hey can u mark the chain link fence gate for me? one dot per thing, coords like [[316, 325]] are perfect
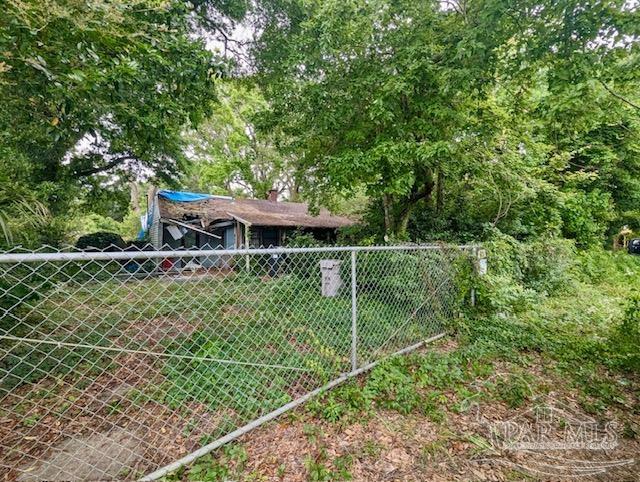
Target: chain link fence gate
[[119, 365]]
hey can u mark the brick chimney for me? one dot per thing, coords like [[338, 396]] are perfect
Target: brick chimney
[[272, 195]]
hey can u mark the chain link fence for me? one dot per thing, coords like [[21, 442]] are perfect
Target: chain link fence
[[119, 365]]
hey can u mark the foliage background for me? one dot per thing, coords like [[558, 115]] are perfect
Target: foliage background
[[426, 120]]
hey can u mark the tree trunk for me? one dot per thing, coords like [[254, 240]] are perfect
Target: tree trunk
[[403, 221], [294, 192], [151, 194], [440, 192], [134, 190], [388, 223], [419, 193]]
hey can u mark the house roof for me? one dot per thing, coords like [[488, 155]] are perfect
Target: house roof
[[254, 211]]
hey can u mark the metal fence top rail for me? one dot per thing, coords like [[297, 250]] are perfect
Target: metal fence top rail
[[132, 255]]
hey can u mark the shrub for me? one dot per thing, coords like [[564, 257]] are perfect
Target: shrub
[[391, 386], [300, 239], [624, 342], [410, 279], [586, 215], [550, 265], [102, 240], [308, 265], [501, 294], [506, 256], [520, 272], [596, 264]]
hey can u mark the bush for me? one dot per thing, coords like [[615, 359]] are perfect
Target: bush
[[520, 272], [501, 294], [597, 265], [410, 279], [586, 216], [506, 257], [101, 241], [300, 239], [306, 265], [625, 339], [550, 265]]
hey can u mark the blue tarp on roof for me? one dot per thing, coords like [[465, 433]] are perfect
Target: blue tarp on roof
[[175, 196], [183, 196]]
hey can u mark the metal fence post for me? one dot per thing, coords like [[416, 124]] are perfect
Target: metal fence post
[[474, 255], [354, 314]]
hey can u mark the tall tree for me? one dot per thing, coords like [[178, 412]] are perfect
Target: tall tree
[[231, 156], [96, 91], [395, 96], [382, 94]]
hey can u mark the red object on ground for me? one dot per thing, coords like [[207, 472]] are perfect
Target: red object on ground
[[167, 264]]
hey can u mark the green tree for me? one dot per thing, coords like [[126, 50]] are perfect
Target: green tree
[[95, 93], [376, 94], [98, 92], [458, 111], [231, 156]]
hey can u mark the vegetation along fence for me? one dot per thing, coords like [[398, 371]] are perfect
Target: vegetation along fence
[[131, 364]]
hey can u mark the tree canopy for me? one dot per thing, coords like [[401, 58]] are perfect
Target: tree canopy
[[232, 156], [469, 111], [450, 117], [95, 93]]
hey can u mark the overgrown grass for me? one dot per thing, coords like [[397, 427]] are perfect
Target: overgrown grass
[[581, 330], [241, 317], [586, 332], [580, 324]]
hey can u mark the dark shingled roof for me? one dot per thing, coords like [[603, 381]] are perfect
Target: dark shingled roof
[[255, 211]]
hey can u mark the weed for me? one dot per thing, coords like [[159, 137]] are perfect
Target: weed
[[346, 403], [312, 432], [515, 390], [114, 407], [124, 473], [630, 430], [391, 386], [237, 454], [371, 448], [518, 475], [432, 409], [230, 463], [31, 420], [343, 466], [537, 311], [316, 467], [188, 428], [481, 446], [624, 343], [319, 470], [208, 470], [433, 450]]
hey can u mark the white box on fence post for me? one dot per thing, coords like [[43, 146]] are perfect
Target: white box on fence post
[[331, 281], [480, 266], [481, 262]]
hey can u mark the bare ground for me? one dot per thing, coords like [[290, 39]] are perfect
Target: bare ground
[[386, 445], [64, 429], [92, 442]]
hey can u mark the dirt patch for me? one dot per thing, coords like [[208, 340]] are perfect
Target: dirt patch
[[151, 335], [62, 421], [465, 445], [409, 448], [101, 456], [115, 439]]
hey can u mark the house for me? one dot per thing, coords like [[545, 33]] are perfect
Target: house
[[192, 220]]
